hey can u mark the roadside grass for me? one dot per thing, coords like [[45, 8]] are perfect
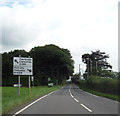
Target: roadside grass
[[110, 96], [11, 99]]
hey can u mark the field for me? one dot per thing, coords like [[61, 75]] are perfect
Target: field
[[11, 99]]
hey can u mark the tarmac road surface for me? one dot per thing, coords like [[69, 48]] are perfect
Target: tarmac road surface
[[70, 100]]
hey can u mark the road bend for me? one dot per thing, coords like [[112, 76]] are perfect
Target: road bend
[[70, 100]]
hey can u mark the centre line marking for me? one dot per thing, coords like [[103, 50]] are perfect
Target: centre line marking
[[73, 96], [76, 100], [86, 108]]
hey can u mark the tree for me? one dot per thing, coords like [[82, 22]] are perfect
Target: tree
[[76, 77], [48, 61], [51, 61], [96, 63], [7, 65]]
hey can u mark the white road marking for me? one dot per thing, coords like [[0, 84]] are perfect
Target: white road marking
[[86, 108], [71, 93], [89, 93], [33, 103], [94, 95], [76, 100], [73, 96]]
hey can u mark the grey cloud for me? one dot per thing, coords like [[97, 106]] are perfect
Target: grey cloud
[[17, 36]]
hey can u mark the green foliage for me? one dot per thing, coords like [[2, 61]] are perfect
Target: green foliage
[[76, 77], [7, 66], [96, 64], [48, 61], [106, 85], [11, 99], [110, 96], [51, 61]]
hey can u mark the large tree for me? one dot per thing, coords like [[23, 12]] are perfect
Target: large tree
[[96, 63], [7, 65], [52, 61], [49, 61]]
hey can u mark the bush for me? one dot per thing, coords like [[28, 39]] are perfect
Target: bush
[[106, 85]]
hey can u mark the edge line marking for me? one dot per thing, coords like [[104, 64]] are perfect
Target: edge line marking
[[33, 103]]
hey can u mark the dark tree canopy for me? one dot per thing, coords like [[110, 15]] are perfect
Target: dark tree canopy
[[52, 61], [48, 61], [96, 63]]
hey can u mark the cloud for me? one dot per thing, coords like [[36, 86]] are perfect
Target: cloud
[[80, 26]]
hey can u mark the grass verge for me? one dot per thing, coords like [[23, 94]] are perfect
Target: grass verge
[[110, 96], [11, 99]]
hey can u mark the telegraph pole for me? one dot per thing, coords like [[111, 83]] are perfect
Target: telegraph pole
[[96, 67], [88, 65], [79, 72], [91, 66]]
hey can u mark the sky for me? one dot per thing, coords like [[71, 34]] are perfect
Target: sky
[[81, 26]]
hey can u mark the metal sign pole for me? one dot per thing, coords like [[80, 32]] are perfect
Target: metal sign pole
[[19, 75], [29, 82], [29, 85], [22, 66], [19, 85]]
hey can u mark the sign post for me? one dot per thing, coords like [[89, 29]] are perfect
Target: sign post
[[29, 82], [29, 85], [19, 85], [19, 76], [22, 66]]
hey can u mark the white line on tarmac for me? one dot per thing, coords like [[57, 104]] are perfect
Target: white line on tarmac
[[73, 96], [76, 100], [71, 93], [86, 108], [92, 94], [33, 103]]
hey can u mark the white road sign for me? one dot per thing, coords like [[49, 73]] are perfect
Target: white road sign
[[22, 66], [22, 61]]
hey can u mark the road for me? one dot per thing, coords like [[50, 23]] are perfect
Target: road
[[71, 100]]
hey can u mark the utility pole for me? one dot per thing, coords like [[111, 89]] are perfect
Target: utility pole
[[79, 72], [91, 66], [88, 65], [96, 67]]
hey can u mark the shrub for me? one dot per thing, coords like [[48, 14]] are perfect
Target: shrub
[[106, 85]]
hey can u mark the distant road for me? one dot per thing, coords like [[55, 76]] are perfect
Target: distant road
[[71, 100]]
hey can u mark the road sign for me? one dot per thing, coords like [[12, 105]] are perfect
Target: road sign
[[20, 70], [22, 61], [22, 66]]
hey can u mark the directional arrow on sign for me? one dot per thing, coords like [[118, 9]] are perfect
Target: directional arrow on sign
[[16, 61], [22, 66], [29, 70]]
